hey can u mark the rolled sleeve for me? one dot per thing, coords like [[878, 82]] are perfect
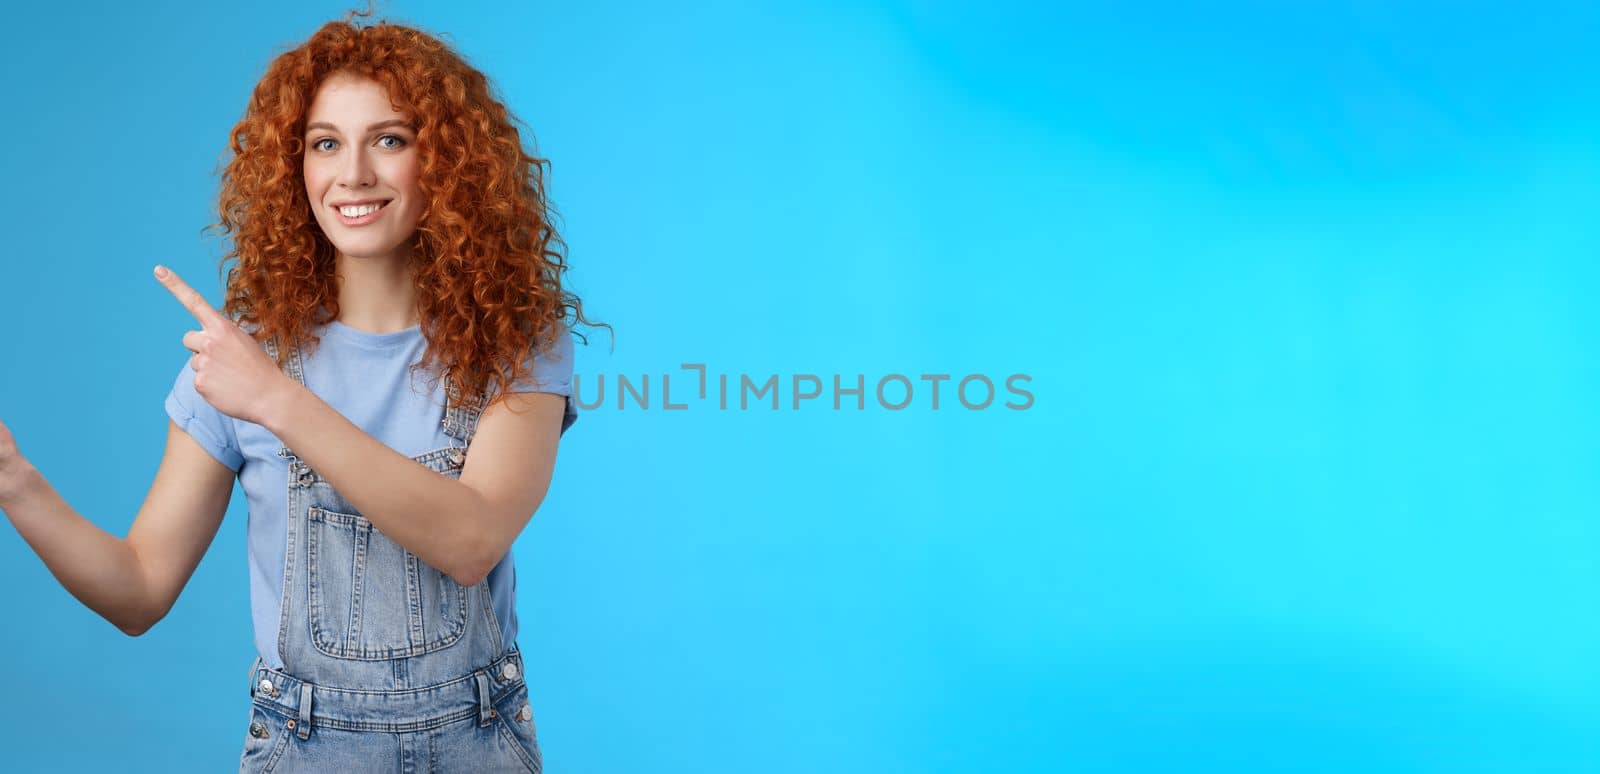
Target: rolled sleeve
[[206, 425], [552, 372]]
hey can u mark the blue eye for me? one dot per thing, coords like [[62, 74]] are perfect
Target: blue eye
[[399, 142]]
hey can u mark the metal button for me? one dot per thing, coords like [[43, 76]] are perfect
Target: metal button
[[509, 671], [266, 685], [457, 456], [525, 714], [258, 730]]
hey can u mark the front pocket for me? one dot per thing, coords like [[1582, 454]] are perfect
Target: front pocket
[[370, 598], [519, 729], [522, 743], [263, 742]]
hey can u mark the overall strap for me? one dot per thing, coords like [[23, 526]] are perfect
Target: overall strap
[[461, 423], [296, 370]]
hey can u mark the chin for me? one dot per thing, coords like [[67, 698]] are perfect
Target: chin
[[367, 251]]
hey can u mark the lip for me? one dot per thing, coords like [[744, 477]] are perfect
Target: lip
[[364, 219]]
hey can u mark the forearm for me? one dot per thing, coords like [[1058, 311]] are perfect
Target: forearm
[[98, 568], [439, 519]]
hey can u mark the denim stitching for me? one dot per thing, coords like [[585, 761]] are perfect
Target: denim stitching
[[453, 627], [307, 490], [516, 745]]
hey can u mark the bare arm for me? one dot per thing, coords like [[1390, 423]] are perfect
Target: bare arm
[[460, 527], [134, 582]]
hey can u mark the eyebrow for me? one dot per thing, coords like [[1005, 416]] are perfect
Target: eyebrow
[[372, 128]]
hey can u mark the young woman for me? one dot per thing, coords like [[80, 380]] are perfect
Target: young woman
[[388, 380]]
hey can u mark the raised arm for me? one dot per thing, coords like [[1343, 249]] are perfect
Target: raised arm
[[130, 582]]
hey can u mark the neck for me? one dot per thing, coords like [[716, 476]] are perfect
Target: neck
[[376, 295]]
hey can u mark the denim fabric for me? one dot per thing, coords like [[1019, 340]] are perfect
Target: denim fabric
[[389, 665], [369, 379]]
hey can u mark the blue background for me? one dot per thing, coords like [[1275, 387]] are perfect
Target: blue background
[[1308, 483]]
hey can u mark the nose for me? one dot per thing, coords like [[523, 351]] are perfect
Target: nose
[[355, 170]]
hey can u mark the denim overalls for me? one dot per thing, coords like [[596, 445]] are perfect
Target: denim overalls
[[389, 664]]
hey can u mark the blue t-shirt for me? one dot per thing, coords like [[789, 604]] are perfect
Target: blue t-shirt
[[366, 377]]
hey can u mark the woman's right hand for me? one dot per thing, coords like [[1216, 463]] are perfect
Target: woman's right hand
[[14, 468]]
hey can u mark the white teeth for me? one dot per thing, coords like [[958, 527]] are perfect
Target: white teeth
[[356, 212]]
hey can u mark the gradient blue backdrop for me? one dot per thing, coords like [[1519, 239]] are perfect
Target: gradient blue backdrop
[[1308, 484]]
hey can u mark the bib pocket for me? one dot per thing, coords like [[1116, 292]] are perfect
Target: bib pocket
[[371, 599]]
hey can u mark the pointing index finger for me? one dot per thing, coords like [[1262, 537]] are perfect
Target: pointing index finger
[[191, 300]]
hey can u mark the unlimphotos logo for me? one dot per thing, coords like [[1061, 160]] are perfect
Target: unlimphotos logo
[[894, 392]]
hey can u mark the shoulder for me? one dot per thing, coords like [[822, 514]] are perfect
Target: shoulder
[[556, 352], [549, 371], [549, 365]]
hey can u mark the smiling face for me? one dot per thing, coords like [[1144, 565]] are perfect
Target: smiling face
[[361, 154]]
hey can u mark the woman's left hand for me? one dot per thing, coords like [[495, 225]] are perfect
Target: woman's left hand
[[231, 370]]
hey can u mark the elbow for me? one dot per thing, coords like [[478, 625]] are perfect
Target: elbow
[[470, 571], [469, 578], [481, 551], [476, 568], [135, 628]]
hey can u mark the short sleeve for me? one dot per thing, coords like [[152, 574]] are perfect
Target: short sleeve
[[209, 427], [552, 372]]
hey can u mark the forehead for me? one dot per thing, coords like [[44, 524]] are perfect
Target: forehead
[[344, 97]]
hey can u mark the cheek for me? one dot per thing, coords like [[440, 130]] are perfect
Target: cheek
[[316, 182], [409, 184], [403, 169], [409, 180]]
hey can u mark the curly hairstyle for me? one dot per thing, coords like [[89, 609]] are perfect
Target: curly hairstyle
[[487, 260]]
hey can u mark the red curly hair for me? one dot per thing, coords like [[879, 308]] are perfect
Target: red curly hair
[[487, 260]]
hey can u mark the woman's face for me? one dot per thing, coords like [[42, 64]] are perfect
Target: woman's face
[[359, 154]]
